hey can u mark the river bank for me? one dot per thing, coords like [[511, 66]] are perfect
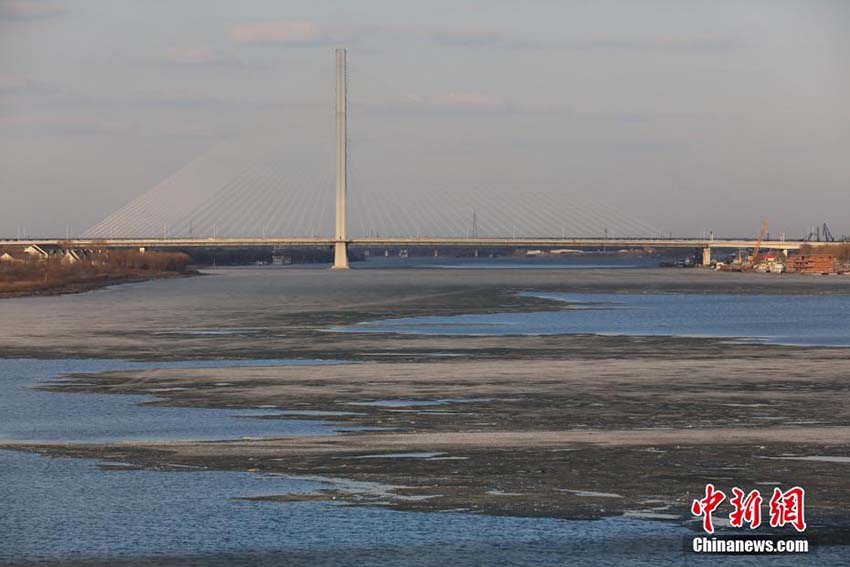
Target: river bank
[[57, 271], [31, 289]]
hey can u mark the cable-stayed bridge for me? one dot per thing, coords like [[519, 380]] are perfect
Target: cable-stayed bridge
[[219, 195], [243, 193]]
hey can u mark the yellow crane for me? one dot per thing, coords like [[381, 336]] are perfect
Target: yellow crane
[[757, 248]]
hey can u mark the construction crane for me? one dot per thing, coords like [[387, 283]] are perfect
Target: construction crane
[[815, 234], [757, 248]]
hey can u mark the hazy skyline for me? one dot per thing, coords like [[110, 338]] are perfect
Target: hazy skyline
[[687, 115]]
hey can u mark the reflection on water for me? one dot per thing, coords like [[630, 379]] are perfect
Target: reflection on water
[[778, 319], [28, 414]]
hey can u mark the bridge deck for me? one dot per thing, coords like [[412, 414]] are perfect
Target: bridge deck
[[413, 242]]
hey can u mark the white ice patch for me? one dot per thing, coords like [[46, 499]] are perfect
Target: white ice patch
[[400, 456], [591, 494], [818, 458]]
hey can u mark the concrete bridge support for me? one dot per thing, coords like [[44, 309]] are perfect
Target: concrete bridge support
[[341, 256], [706, 257]]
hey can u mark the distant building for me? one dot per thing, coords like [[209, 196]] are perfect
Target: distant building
[[45, 251], [51, 252], [7, 258], [812, 263], [76, 255]]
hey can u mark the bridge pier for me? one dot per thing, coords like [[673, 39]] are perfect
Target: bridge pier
[[706, 257], [341, 255]]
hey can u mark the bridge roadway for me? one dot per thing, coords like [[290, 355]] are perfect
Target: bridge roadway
[[341, 246], [721, 243]]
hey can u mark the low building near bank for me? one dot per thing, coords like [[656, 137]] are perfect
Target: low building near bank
[[45, 252], [812, 263], [51, 253], [9, 258], [76, 255]]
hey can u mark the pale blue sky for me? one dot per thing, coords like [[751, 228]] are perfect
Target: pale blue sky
[[687, 114]]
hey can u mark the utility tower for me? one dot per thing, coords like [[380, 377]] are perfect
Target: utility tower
[[341, 236]]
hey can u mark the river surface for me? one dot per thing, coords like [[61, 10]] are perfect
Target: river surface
[[810, 320], [29, 414], [557, 262], [58, 509]]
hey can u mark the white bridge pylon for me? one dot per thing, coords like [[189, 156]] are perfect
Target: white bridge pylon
[[341, 237]]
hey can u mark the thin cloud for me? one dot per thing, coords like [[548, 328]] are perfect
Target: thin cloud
[[13, 87], [480, 37], [195, 56], [187, 101], [11, 82], [474, 101], [189, 55], [658, 43], [495, 38], [199, 101], [29, 9], [67, 123], [284, 32], [461, 102]]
